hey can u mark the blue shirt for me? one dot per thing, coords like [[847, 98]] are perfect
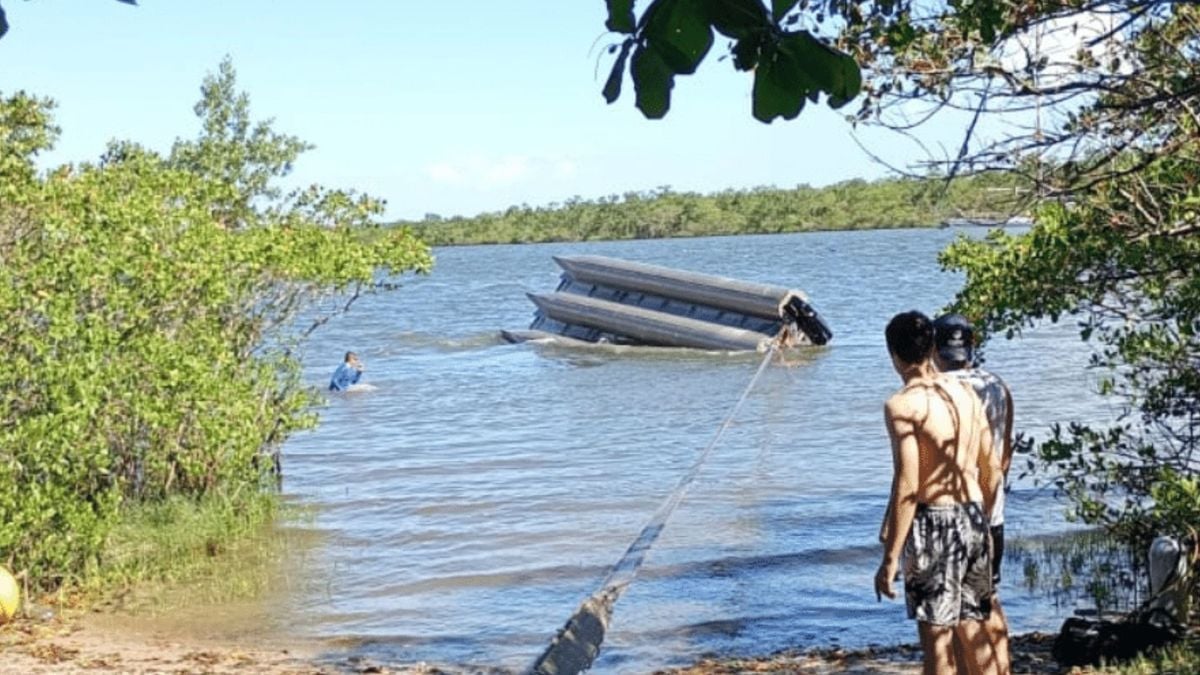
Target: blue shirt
[[343, 377]]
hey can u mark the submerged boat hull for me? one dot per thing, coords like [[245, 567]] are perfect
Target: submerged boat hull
[[604, 299]]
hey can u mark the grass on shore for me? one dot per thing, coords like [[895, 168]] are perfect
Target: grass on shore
[[1180, 658], [213, 549]]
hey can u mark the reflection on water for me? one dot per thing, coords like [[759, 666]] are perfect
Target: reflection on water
[[471, 501]]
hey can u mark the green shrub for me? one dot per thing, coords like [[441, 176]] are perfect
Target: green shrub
[[147, 312]]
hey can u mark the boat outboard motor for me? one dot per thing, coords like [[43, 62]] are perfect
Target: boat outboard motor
[[808, 320]]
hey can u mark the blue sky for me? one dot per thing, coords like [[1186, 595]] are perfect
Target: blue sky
[[437, 107]]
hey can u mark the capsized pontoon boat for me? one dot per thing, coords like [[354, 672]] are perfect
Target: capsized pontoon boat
[[604, 299]]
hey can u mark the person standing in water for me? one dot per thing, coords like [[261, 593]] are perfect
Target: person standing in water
[[349, 372], [944, 485], [954, 337]]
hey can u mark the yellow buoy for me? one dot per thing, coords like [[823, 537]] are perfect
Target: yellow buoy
[[10, 596]]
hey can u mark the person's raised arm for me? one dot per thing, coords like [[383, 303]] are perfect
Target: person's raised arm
[[902, 506]]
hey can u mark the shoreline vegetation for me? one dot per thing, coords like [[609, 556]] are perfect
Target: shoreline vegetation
[[149, 304], [858, 204]]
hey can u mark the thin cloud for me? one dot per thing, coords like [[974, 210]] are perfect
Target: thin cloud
[[483, 173]]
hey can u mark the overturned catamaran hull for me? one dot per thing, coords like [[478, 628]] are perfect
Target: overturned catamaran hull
[[604, 299]]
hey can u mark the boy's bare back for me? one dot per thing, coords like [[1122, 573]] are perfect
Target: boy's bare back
[[942, 421]]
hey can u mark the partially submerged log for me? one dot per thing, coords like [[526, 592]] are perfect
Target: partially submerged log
[[617, 301]]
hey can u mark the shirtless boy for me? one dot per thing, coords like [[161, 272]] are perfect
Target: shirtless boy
[[945, 481]]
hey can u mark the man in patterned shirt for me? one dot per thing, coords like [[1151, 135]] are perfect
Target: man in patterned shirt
[[954, 337]]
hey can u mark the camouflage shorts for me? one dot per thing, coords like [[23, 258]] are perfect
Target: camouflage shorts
[[947, 564]]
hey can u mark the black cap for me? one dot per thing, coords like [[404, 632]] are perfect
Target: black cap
[[954, 338]]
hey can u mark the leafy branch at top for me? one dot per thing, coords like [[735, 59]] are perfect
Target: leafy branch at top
[[792, 63]]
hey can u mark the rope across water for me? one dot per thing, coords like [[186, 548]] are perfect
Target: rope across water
[[578, 642]]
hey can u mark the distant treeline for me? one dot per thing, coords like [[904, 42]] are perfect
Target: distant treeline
[[853, 204]]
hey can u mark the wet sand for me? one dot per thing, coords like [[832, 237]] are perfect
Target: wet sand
[[86, 645], [1031, 654]]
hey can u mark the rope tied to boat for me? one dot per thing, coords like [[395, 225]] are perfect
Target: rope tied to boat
[[577, 643]]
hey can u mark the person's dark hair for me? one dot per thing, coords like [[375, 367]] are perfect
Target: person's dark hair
[[910, 336]]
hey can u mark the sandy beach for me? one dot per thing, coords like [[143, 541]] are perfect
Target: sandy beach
[[86, 644], [80, 645]]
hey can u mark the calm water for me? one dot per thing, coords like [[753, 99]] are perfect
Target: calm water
[[468, 504]]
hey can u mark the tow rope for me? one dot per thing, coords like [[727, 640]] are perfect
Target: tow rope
[[577, 643]]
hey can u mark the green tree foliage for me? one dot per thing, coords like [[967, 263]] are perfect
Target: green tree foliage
[[148, 308], [854, 204], [1117, 242], [1127, 272], [781, 42]]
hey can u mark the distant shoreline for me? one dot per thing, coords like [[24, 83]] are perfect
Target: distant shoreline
[[663, 214]]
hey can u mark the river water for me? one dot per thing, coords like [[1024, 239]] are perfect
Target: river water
[[466, 505]]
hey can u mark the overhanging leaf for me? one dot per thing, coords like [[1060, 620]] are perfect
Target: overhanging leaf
[[612, 88], [746, 51], [831, 71], [652, 80], [851, 84], [780, 8], [620, 16], [680, 32], [738, 19], [991, 19], [779, 86]]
